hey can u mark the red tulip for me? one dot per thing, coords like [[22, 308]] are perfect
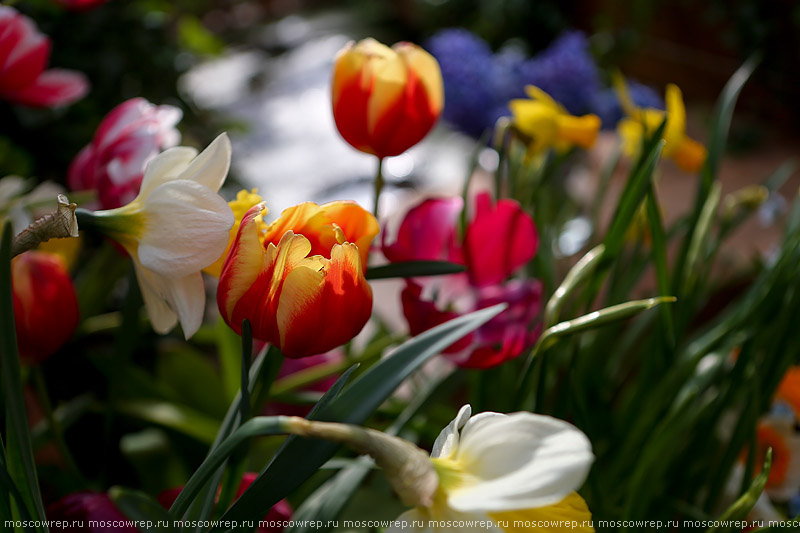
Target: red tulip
[[89, 512], [130, 136], [45, 304], [385, 100], [306, 274], [24, 54], [281, 512], [498, 240]]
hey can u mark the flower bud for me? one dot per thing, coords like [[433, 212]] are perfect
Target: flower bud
[[385, 100], [45, 304]]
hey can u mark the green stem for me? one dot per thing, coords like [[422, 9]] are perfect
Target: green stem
[[378, 186], [55, 427]]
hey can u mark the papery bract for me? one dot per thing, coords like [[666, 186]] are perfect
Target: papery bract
[[89, 512], [24, 54], [301, 284], [130, 136], [498, 469], [544, 123], [45, 304], [498, 240], [385, 100], [176, 226]]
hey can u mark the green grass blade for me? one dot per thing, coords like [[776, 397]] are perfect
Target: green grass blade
[[660, 262], [19, 453], [300, 458], [741, 507], [577, 274], [411, 269]]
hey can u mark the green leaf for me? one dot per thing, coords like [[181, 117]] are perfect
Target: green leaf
[[19, 453], [194, 36], [173, 416], [660, 261], [411, 269], [741, 507], [576, 275], [300, 458], [143, 509]]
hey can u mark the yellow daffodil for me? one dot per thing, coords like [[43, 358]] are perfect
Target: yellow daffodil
[[547, 124], [176, 226], [687, 153], [505, 473]]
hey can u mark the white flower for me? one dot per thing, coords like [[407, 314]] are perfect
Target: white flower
[[175, 227], [505, 473]]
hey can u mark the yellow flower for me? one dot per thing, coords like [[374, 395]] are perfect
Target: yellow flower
[[548, 125], [687, 153], [240, 205], [505, 473]]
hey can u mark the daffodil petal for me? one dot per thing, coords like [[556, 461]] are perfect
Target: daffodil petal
[[519, 461], [447, 440], [570, 514], [210, 168], [154, 289], [165, 167], [202, 216]]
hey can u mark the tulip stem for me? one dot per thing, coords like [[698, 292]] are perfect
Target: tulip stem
[[378, 186]]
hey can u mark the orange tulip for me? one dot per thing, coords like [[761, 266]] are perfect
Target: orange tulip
[[385, 100], [301, 282]]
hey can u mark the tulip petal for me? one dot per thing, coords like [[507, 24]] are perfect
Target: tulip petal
[[244, 264], [202, 216], [498, 241], [427, 232], [335, 304], [519, 461], [426, 69], [26, 54], [164, 168], [53, 88]]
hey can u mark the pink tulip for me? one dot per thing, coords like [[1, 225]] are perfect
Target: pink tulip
[[89, 512], [81, 5], [497, 242], [113, 164], [280, 513], [24, 54]]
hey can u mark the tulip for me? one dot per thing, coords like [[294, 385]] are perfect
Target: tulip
[[45, 304], [176, 226], [24, 54], [81, 5], [240, 205], [385, 100], [304, 274], [546, 124], [280, 513], [687, 153], [497, 470], [498, 240], [130, 136], [89, 512]]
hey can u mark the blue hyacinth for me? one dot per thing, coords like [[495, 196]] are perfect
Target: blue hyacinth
[[478, 84]]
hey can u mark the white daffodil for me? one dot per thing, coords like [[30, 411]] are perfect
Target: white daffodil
[[502, 473], [175, 227]]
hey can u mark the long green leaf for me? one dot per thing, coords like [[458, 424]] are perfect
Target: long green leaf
[[411, 269], [577, 274], [19, 452], [173, 416], [738, 511], [300, 458]]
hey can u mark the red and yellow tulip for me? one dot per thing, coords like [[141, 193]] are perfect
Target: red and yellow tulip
[[385, 100], [301, 282]]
